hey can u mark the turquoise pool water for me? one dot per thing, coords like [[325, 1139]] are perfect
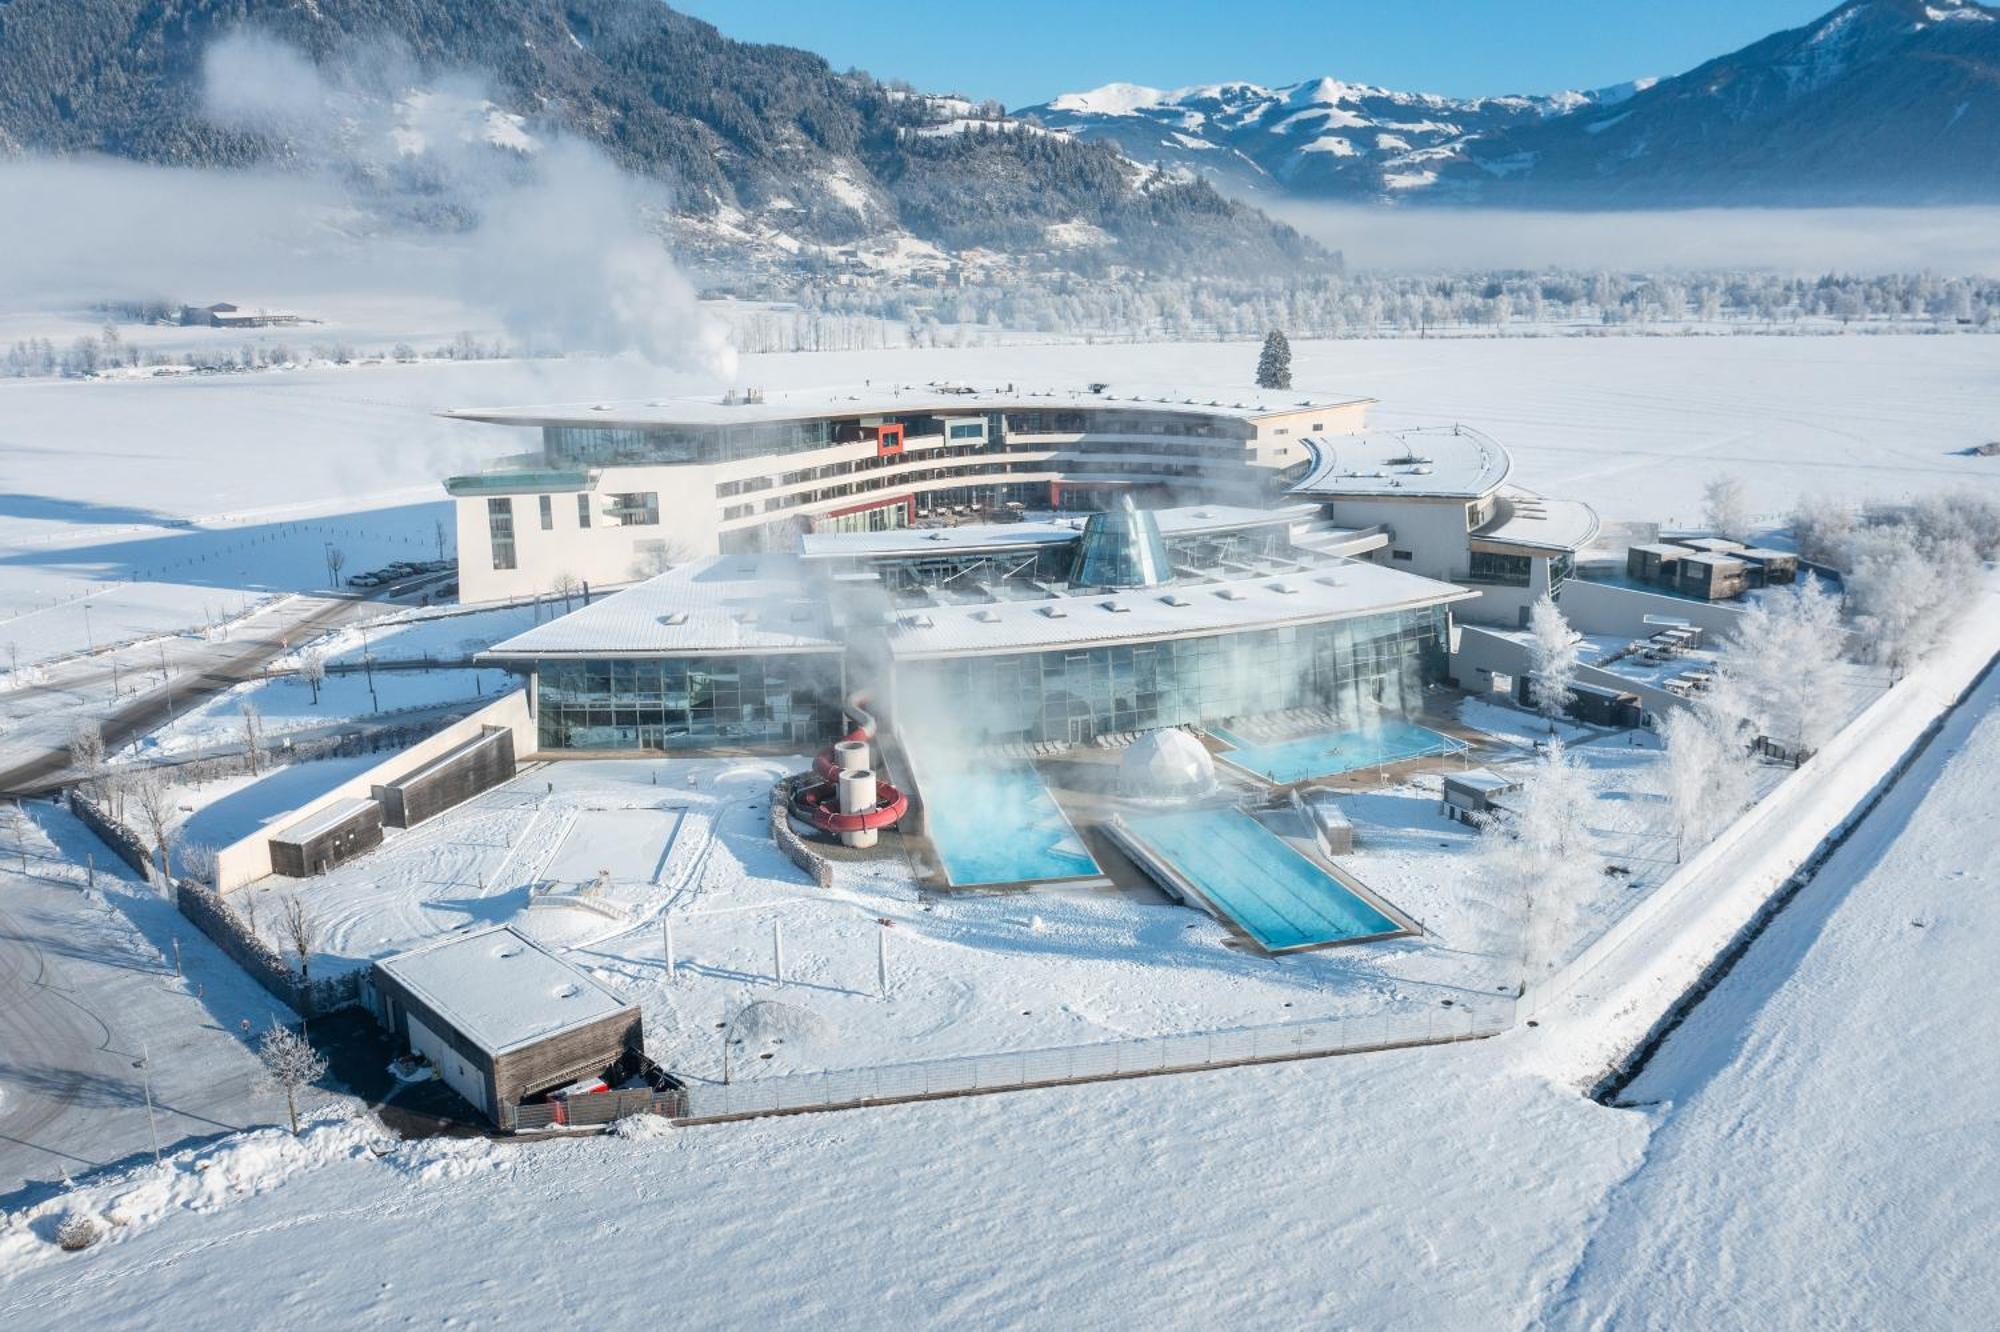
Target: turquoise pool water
[[1249, 874], [1324, 755], [998, 823]]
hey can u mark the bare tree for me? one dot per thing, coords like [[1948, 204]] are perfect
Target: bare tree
[[153, 795], [86, 755], [290, 1065], [566, 586], [312, 669], [336, 560], [299, 930], [1551, 659], [253, 736], [1726, 506], [198, 862], [438, 526]]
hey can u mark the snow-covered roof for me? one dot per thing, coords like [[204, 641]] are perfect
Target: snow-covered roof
[[324, 821], [1182, 520], [730, 604], [1523, 518], [1440, 461], [499, 989], [1483, 780], [1336, 592], [1234, 401]]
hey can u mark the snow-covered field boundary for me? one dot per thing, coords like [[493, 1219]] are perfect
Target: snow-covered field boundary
[[1103, 1061], [1605, 1003]]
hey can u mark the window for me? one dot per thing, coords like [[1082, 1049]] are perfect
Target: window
[[500, 530], [548, 513], [1399, 555], [1318, 426], [1505, 570], [968, 430], [1282, 430], [738, 511], [583, 511], [638, 509]]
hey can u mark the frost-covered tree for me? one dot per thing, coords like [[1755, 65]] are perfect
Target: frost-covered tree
[[290, 1065], [1552, 659], [1705, 776], [312, 669], [1725, 506], [1537, 865], [1776, 674], [1274, 364], [1901, 595], [1821, 526]]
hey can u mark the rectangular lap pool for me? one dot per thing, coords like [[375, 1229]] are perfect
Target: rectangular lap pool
[[997, 823], [1329, 753], [1250, 876]]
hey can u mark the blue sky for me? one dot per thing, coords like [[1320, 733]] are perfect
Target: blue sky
[[1026, 51]]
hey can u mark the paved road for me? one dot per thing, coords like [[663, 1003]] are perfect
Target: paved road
[[35, 758]]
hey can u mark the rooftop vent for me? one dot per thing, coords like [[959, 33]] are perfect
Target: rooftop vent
[[566, 990], [674, 617], [986, 615], [1175, 599], [919, 621], [1285, 589], [508, 949], [1115, 607], [1054, 612], [1231, 594]]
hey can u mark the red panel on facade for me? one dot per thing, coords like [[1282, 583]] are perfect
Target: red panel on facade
[[888, 440]]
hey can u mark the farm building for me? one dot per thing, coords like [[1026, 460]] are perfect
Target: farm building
[[337, 833], [500, 1018]]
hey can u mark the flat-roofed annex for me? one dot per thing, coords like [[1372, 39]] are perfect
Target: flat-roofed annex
[[1442, 462]]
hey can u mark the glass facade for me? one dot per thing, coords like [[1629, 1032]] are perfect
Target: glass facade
[[688, 702], [1121, 547], [1357, 668], [500, 530]]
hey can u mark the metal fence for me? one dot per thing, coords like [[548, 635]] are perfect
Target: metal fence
[[973, 1075], [601, 1108]]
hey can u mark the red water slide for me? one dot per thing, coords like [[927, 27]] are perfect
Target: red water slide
[[819, 804]]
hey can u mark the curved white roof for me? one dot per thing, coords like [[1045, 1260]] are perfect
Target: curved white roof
[[1237, 402], [1523, 518], [1454, 462]]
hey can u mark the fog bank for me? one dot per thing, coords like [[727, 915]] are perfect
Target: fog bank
[[1950, 241]]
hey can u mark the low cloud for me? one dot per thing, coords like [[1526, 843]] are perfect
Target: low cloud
[[1951, 241], [390, 179]]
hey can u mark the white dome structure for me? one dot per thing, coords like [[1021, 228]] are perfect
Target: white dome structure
[[1166, 763]]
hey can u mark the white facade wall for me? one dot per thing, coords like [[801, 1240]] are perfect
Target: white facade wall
[[692, 521]]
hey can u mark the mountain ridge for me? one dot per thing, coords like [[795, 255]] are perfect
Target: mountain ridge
[[1875, 102]]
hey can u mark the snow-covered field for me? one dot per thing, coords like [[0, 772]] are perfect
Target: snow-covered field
[[103, 478]]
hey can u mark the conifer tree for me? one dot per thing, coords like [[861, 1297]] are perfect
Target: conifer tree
[[1274, 366]]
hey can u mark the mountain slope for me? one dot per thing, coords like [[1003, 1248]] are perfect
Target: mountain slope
[[1892, 102], [1879, 102], [1318, 139], [759, 140]]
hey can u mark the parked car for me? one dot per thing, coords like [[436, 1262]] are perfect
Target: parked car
[[364, 580]]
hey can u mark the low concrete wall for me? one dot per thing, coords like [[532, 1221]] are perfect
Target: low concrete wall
[[248, 860], [1606, 608]]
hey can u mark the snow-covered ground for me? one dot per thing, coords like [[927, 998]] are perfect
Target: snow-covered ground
[[1463, 1186], [104, 477]]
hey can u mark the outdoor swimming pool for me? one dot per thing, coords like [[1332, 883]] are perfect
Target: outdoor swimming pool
[[1251, 876], [997, 823], [1327, 754]]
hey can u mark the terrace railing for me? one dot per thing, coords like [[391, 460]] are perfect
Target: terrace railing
[[973, 1075]]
